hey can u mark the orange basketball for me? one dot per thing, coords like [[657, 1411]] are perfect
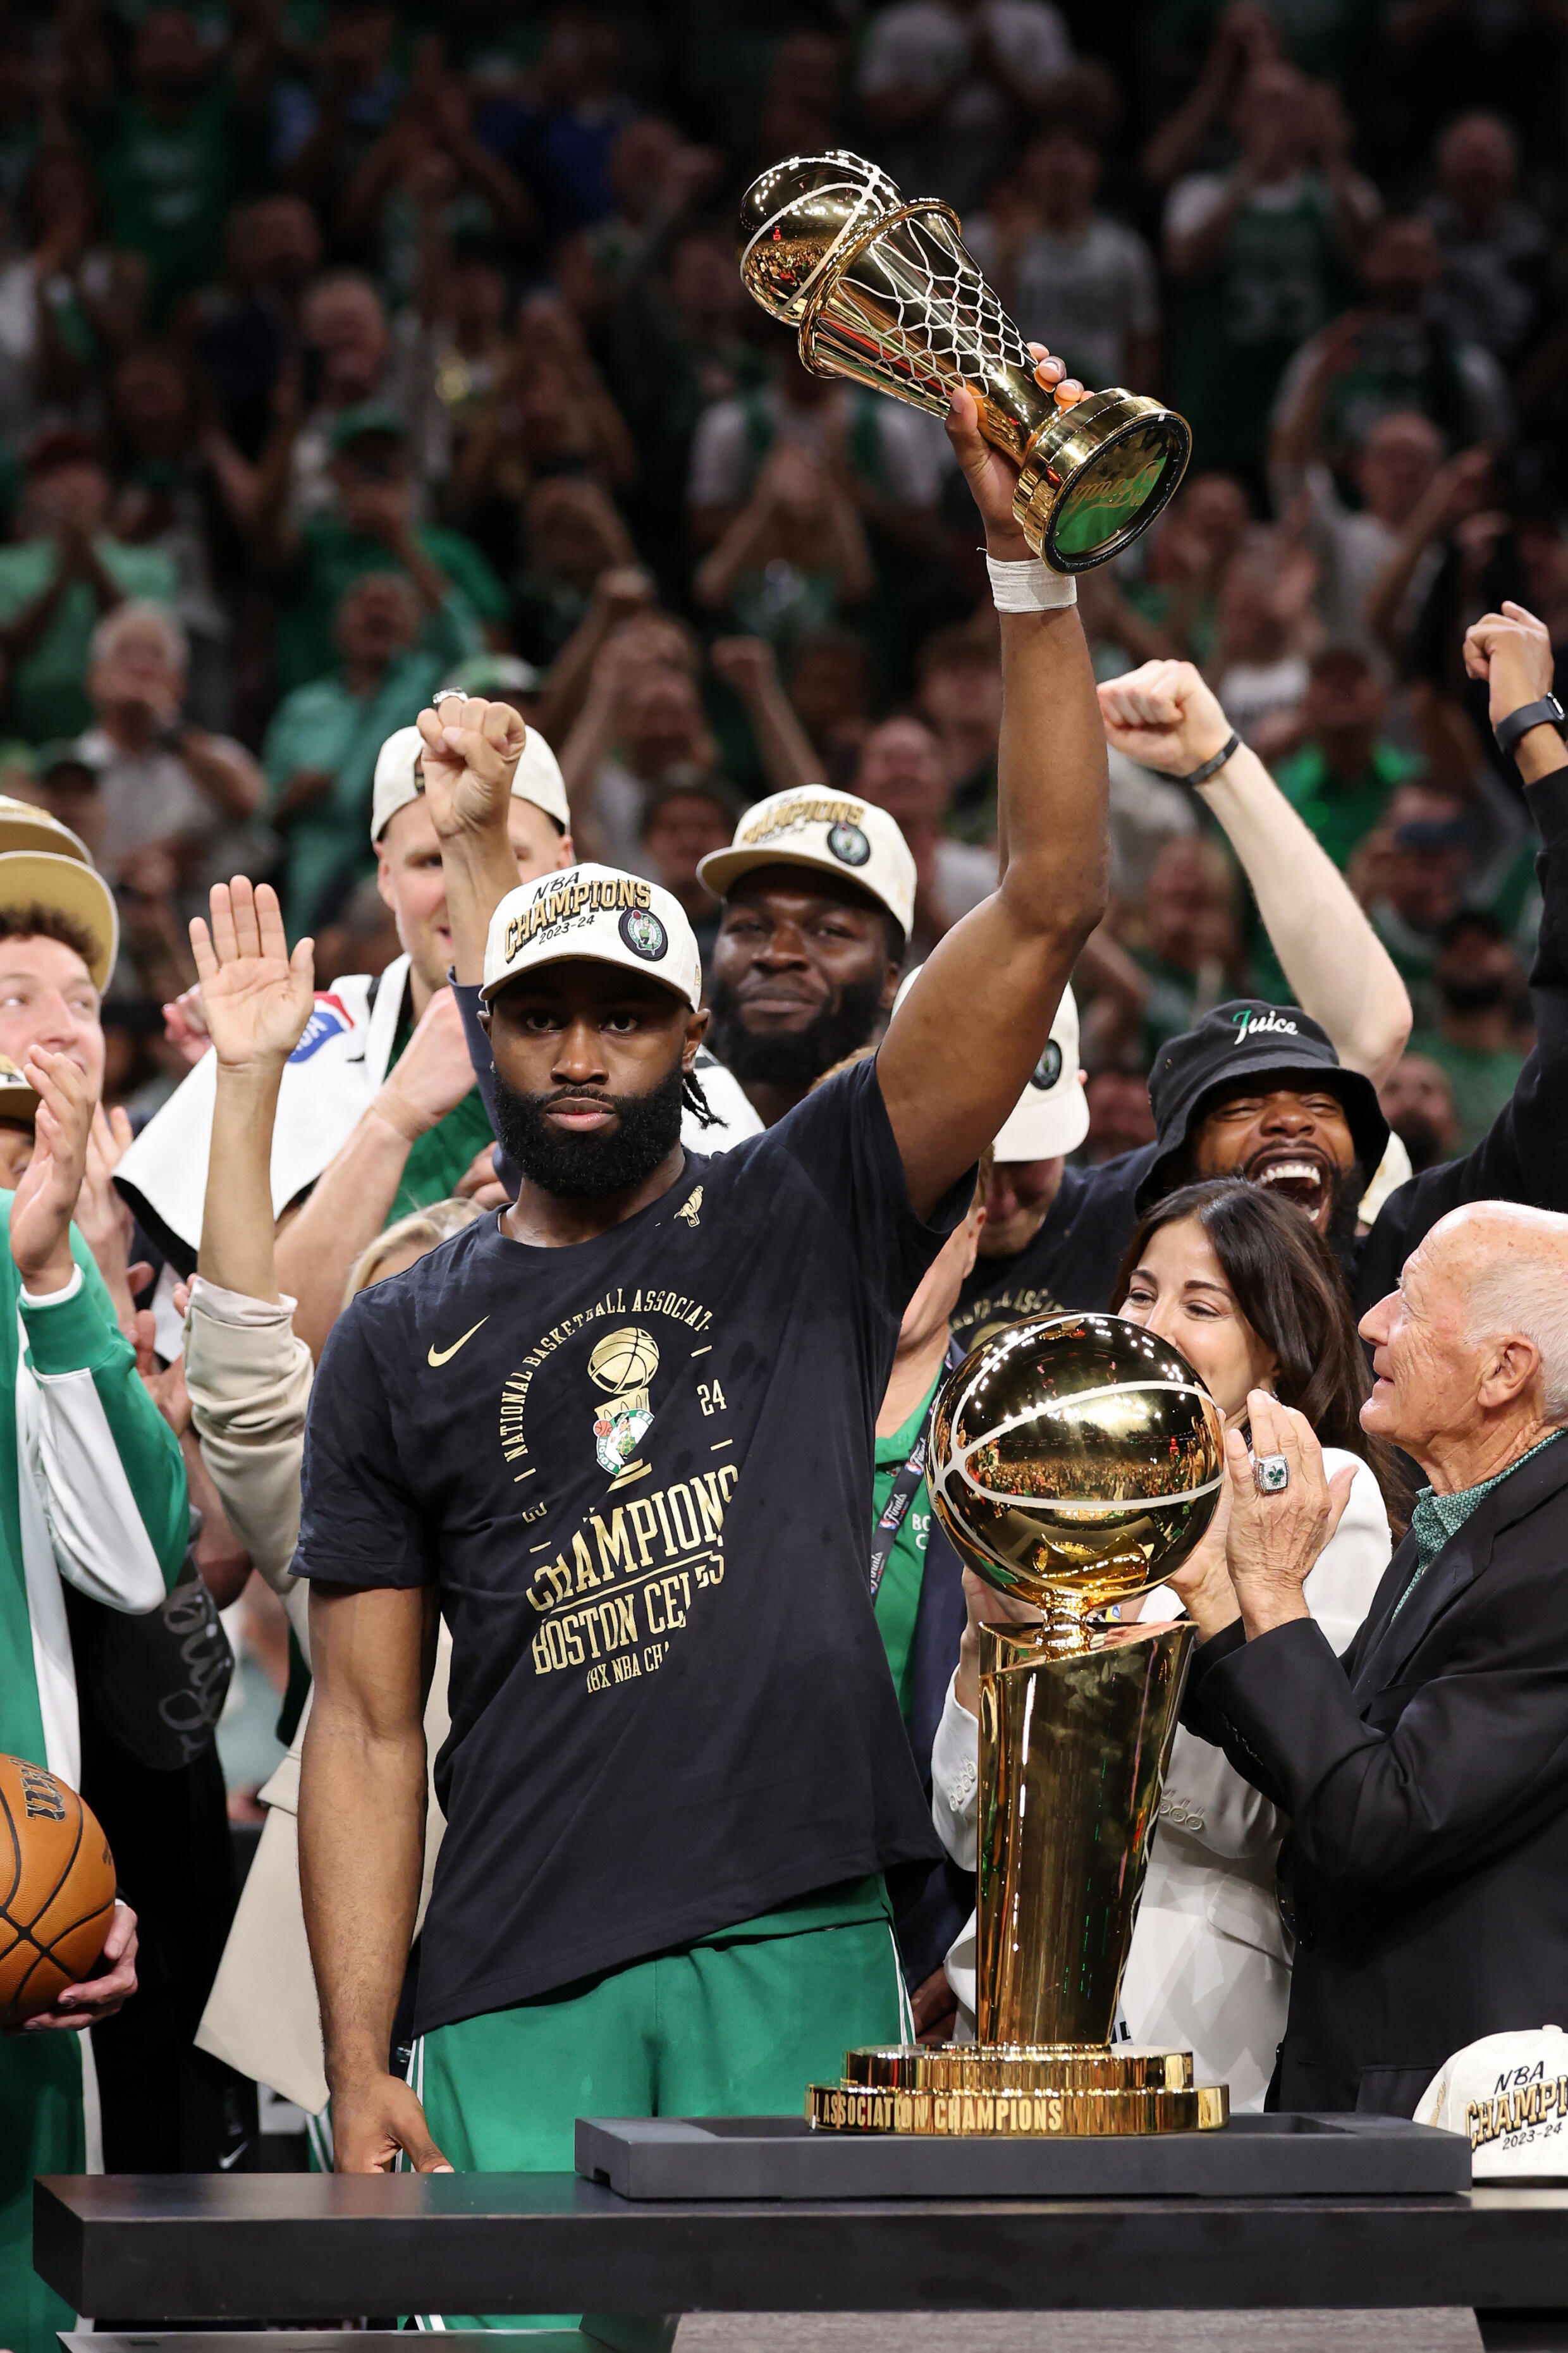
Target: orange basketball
[[57, 1889]]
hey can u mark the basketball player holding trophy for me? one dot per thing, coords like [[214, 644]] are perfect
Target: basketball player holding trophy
[[621, 1437]]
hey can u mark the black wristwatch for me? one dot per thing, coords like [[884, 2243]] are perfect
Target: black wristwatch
[[1547, 713]]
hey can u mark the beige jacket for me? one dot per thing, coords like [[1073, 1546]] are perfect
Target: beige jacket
[[249, 1381]]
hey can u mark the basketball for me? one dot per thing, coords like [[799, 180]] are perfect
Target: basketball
[[627, 1359], [57, 1889], [1075, 1450]]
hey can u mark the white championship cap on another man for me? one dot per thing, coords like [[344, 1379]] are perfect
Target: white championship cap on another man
[[599, 914], [1050, 1117], [44, 864], [837, 833], [538, 779], [1508, 2093]]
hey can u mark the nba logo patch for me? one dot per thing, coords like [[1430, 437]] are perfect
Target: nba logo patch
[[329, 1018]]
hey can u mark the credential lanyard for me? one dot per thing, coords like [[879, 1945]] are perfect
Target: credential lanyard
[[885, 1534]]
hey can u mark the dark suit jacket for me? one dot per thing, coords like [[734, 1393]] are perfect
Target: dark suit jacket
[[1426, 1776]]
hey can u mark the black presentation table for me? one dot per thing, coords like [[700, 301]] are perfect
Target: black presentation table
[[215, 2247]]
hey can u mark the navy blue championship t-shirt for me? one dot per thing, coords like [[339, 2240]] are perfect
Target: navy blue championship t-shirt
[[1071, 1262], [639, 1471]]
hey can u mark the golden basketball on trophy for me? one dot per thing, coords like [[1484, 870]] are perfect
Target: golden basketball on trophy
[[884, 293], [1075, 1462]]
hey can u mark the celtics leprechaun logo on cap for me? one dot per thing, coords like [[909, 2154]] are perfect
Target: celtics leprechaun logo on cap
[[644, 934], [849, 844]]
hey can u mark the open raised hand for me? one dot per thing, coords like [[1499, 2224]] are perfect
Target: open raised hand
[[256, 995], [471, 751]]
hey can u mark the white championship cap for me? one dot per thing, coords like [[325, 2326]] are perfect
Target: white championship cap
[[23, 826], [1051, 1116], [1508, 2093], [599, 913], [538, 779], [835, 832], [44, 864]]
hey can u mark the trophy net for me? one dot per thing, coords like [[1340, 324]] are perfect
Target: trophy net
[[910, 315], [884, 293]]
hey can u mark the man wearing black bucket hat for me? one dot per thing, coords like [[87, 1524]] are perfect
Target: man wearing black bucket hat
[[1258, 1091]]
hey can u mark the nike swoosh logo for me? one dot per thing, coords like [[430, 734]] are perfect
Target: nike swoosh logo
[[224, 2163], [442, 1355]]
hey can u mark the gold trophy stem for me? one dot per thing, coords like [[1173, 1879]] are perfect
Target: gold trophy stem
[[1075, 1735]]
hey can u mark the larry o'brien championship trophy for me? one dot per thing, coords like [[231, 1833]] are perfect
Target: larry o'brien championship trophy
[[1075, 1460], [884, 293]]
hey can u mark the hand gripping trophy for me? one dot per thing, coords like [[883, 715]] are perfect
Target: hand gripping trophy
[[884, 293], [1075, 1460]]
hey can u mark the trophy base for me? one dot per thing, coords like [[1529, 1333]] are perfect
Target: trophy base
[[1097, 474], [968, 2089]]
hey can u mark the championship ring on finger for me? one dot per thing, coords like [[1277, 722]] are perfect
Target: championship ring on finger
[[1271, 1474]]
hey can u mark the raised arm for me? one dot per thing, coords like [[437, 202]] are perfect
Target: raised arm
[[471, 751], [361, 1843], [257, 1000], [247, 1376], [1524, 1155], [1165, 717], [353, 1196], [964, 1042]]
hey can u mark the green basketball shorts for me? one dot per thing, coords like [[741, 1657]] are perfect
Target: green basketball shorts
[[42, 2130], [737, 2025]]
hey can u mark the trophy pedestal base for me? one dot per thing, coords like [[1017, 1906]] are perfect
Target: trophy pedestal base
[[766, 2158], [958, 2090]]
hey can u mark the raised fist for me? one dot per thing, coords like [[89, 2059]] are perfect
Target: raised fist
[[1164, 716], [1512, 651], [471, 751]]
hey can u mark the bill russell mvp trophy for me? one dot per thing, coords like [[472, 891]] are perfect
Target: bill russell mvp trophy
[[1075, 1460], [884, 293]]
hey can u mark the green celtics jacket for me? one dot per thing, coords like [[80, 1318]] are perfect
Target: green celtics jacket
[[93, 1488]]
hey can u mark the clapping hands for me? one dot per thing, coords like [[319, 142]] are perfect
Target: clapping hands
[[46, 1196]]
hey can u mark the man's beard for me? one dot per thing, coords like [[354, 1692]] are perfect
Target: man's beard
[[1345, 1186], [646, 1131], [794, 1057]]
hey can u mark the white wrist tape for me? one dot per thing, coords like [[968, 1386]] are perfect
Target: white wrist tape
[[1030, 586]]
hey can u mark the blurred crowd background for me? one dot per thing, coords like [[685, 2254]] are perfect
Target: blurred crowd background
[[347, 351]]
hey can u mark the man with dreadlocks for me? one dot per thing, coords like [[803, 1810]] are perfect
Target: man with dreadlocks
[[622, 1436]]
